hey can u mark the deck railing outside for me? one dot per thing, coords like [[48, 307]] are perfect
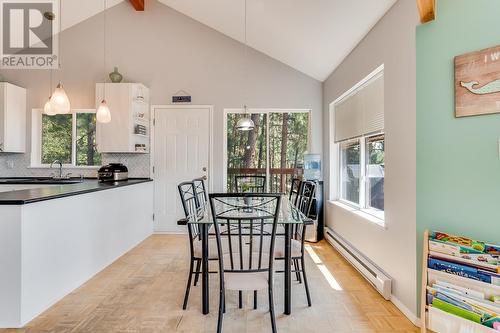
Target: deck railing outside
[[279, 181]]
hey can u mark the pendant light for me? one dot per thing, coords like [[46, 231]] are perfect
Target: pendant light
[[245, 123], [48, 109], [59, 100], [103, 114]]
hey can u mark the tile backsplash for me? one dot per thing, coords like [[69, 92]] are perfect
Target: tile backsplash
[[18, 165]]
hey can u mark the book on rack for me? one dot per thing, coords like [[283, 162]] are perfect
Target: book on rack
[[464, 271], [463, 303], [482, 261], [464, 244]]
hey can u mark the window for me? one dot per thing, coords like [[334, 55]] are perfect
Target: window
[[350, 169], [358, 132], [362, 179], [275, 148], [69, 138], [375, 172]]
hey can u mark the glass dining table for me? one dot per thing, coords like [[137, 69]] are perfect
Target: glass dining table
[[289, 216]]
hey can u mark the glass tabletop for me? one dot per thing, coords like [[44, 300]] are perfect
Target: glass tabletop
[[239, 208]]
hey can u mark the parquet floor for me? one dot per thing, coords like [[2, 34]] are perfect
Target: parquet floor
[[143, 291]]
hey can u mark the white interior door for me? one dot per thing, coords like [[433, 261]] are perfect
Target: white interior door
[[181, 153]]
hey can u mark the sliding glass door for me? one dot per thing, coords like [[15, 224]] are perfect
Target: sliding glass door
[[275, 148]]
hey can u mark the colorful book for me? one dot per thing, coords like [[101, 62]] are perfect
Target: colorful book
[[465, 243], [446, 307], [464, 271], [482, 261]]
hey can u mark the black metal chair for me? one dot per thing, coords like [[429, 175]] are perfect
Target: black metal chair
[[250, 184], [243, 265], [200, 191], [190, 198], [294, 190], [303, 202]]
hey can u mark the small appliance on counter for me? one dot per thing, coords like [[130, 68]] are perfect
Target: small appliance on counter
[[112, 172]]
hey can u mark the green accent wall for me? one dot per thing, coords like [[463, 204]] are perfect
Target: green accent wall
[[458, 164]]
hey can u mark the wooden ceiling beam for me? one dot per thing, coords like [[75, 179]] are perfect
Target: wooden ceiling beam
[[138, 5], [427, 9]]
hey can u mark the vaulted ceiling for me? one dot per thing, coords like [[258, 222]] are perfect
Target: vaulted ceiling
[[312, 36]]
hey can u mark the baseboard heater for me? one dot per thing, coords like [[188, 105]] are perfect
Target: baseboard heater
[[373, 274]]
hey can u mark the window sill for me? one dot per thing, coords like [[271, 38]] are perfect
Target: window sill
[[363, 213]]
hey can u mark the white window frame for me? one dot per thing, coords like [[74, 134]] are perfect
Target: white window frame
[[363, 205], [36, 140], [267, 112]]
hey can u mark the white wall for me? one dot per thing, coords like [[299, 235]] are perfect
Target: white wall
[[168, 52], [392, 43]]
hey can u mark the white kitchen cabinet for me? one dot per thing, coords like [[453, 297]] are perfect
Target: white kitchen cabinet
[[129, 129], [12, 118]]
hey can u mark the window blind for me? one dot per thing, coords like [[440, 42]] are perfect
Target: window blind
[[362, 111]]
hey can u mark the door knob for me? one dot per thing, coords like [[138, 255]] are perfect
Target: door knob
[[205, 177], [204, 169]]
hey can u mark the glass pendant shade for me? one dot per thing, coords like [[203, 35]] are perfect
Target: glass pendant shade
[[103, 113], [245, 124], [60, 101], [48, 109]]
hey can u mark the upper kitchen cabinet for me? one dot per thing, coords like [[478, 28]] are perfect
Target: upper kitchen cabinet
[[12, 118], [128, 131]]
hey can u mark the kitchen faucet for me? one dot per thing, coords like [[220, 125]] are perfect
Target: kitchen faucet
[[60, 168]]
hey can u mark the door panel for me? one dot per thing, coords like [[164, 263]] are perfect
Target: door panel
[[182, 139]]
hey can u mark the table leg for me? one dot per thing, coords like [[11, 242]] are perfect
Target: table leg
[[288, 269], [204, 269]]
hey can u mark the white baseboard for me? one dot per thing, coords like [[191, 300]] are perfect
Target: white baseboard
[[407, 312]]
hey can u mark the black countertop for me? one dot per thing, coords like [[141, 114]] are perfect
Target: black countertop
[[22, 197]]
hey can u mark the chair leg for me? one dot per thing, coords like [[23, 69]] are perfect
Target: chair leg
[[297, 270], [255, 299], [222, 310], [271, 309], [188, 287], [305, 282], [198, 265], [240, 299]]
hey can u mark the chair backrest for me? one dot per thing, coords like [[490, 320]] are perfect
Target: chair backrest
[[304, 202], [305, 197], [191, 208], [250, 184], [242, 231], [200, 191], [294, 190]]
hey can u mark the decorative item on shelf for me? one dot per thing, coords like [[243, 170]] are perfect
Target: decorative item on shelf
[[115, 76], [103, 114], [140, 129], [246, 123], [181, 97], [477, 83], [141, 148], [59, 100]]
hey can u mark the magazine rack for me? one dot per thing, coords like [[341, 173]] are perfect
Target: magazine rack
[[436, 320]]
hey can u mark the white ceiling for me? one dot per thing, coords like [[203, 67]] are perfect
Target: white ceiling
[[312, 36]]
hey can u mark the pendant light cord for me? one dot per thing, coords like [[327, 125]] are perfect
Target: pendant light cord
[[104, 51], [245, 76]]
